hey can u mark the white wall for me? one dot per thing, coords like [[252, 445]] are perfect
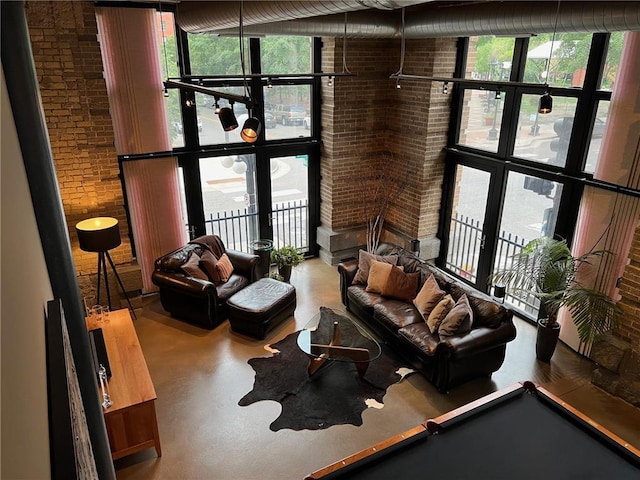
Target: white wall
[[24, 292]]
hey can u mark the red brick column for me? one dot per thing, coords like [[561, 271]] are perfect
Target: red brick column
[[367, 113]]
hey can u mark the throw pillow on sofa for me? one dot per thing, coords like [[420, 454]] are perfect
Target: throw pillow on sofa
[[192, 267], [458, 320], [224, 267], [208, 262], [364, 264], [391, 281], [439, 313], [428, 297]]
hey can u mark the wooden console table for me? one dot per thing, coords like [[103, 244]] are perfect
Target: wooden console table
[[131, 420]]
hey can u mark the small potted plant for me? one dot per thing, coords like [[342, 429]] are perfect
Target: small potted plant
[[285, 259], [546, 269]]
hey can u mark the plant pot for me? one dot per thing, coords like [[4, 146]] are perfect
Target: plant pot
[[546, 340], [285, 272]]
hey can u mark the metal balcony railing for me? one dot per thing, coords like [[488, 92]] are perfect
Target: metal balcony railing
[[466, 239], [238, 229]]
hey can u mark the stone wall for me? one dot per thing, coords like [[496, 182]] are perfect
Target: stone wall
[[66, 51]]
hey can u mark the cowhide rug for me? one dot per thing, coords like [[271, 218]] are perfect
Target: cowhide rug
[[334, 395]]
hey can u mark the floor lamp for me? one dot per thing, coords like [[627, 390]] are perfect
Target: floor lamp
[[100, 235]]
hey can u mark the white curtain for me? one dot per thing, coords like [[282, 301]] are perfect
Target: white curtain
[[612, 216], [133, 72]]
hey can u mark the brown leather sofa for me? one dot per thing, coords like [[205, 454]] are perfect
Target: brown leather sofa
[[198, 301], [446, 362]]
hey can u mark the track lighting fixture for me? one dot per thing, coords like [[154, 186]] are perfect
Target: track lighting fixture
[[498, 95], [252, 126], [165, 92], [216, 106], [546, 102], [330, 82], [251, 130], [269, 83], [228, 119], [189, 102], [398, 84], [445, 88]]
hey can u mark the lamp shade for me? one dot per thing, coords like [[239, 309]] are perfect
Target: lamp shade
[[228, 119], [546, 103], [98, 234], [251, 130]]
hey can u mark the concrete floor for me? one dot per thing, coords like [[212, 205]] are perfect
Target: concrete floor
[[199, 376]]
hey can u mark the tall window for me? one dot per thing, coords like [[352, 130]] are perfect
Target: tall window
[[528, 167], [230, 188]]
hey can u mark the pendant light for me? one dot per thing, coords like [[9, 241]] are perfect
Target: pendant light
[[545, 105], [251, 130], [252, 126], [228, 119]]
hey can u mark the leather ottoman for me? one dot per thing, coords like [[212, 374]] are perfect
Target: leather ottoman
[[261, 306]]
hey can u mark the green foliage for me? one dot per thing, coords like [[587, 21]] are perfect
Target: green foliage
[[276, 276], [546, 269], [491, 53], [286, 54], [287, 255]]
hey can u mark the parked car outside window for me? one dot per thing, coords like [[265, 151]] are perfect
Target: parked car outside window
[[269, 120], [290, 114]]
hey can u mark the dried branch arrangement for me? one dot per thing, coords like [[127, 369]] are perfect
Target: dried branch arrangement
[[378, 193]]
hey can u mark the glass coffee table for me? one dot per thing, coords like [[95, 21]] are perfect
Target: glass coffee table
[[332, 335]]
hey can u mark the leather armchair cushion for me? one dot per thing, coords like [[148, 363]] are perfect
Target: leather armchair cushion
[[227, 289], [363, 298], [478, 340], [419, 336], [396, 314]]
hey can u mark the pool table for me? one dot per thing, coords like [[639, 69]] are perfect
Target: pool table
[[520, 432]]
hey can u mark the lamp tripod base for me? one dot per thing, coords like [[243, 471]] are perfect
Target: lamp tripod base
[[102, 271]]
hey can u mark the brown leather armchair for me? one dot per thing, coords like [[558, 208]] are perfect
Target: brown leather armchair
[[195, 300]]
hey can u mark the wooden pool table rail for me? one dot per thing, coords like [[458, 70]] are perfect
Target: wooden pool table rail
[[440, 423]]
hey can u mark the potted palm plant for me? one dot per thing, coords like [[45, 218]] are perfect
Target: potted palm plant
[[285, 259], [546, 269]]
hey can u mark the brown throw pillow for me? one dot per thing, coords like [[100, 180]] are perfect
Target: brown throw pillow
[[192, 267], [458, 320], [439, 312], [364, 264], [428, 297], [391, 281], [224, 267], [378, 275], [208, 263], [401, 285]]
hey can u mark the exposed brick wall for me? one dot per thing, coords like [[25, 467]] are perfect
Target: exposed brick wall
[[630, 290], [74, 96], [411, 122]]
